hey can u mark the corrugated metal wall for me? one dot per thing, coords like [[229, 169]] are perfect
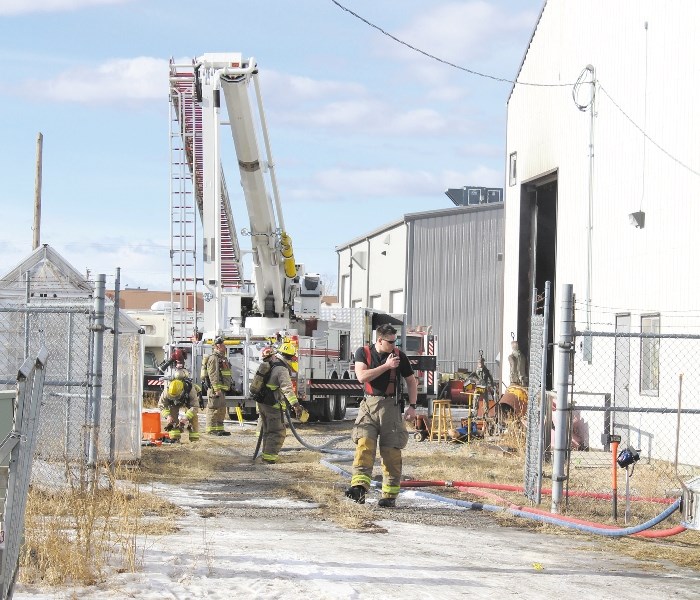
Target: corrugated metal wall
[[454, 278]]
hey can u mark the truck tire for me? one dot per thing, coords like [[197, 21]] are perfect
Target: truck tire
[[340, 407], [327, 409]]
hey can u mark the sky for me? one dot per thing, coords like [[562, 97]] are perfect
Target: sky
[[363, 129]]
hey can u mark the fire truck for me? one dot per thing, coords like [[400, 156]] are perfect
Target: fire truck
[[281, 302], [421, 346]]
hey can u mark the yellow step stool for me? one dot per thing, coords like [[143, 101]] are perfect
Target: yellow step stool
[[442, 420]]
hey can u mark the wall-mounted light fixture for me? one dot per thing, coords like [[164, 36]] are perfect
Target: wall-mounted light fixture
[[637, 219]]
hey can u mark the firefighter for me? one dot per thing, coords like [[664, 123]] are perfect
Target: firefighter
[[379, 417], [279, 391], [219, 376], [180, 393]]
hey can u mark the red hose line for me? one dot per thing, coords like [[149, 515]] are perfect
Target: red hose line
[[518, 488], [658, 533]]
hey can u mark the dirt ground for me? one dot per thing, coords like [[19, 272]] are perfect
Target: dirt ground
[[223, 485]]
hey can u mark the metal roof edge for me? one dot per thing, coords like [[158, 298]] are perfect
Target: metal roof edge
[[456, 210], [377, 231], [522, 62]]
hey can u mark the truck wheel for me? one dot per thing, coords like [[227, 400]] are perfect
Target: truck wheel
[[340, 407], [327, 409]]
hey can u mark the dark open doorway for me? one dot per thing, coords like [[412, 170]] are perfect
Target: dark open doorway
[[538, 243]]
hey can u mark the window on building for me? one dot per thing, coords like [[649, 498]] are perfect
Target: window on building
[[513, 169], [649, 356], [396, 302], [375, 302]]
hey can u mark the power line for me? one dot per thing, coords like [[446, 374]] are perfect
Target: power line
[[442, 60], [646, 136], [515, 82]]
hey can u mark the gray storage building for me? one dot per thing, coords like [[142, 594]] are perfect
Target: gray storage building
[[442, 268]]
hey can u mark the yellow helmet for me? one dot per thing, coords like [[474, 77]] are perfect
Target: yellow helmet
[[288, 349], [175, 388]]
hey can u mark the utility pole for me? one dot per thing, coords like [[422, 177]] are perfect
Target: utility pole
[[37, 193]]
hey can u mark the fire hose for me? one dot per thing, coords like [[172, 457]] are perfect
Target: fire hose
[[585, 526], [341, 455]]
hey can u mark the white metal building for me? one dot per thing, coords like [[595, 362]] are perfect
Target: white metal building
[[608, 204], [440, 268], [653, 75]]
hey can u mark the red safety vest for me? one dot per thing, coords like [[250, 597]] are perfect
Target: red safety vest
[[391, 388]]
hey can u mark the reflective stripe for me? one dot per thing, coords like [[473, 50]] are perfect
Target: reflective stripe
[[392, 490], [189, 414], [270, 457], [363, 480]]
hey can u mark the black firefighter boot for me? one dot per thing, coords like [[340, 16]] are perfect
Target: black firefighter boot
[[356, 493], [387, 502]]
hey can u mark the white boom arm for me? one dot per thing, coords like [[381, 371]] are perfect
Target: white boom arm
[[272, 253]]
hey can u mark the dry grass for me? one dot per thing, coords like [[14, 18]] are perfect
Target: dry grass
[[150, 399], [482, 461], [75, 535]]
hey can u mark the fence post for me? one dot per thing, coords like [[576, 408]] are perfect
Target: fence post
[[564, 348], [96, 374], [543, 391], [115, 362]]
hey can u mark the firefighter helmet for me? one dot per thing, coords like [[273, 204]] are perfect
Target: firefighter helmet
[[219, 340], [175, 388], [287, 349], [267, 352]]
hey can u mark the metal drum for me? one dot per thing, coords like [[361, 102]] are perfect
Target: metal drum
[[518, 391]]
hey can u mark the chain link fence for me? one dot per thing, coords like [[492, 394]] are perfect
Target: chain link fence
[[640, 388], [16, 451], [631, 394], [67, 328]]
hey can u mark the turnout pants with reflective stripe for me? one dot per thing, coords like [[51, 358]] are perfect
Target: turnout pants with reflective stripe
[[379, 418], [216, 412], [271, 427]]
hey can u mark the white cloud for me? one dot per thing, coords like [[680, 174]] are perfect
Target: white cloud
[[364, 184], [460, 31], [302, 101], [467, 34], [114, 82], [17, 7], [295, 89]]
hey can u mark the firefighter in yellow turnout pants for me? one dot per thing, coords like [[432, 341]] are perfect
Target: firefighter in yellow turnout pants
[[271, 407], [180, 392], [379, 417], [219, 375]]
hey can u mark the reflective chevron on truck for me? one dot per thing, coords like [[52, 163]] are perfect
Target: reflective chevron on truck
[[334, 387]]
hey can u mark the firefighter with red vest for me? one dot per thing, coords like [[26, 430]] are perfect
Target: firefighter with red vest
[[379, 419]]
